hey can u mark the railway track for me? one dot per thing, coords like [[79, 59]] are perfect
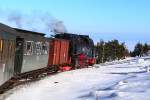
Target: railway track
[[27, 77]]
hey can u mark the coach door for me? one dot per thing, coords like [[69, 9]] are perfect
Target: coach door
[[19, 55]]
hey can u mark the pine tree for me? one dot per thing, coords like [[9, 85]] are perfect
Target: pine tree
[[138, 50], [99, 51], [146, 48], [111, 50]]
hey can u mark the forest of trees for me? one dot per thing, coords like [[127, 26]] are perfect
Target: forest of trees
[[140, 50], [113, 50]]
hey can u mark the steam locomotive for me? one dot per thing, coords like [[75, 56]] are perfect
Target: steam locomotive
[[28, 54], [81, 49]]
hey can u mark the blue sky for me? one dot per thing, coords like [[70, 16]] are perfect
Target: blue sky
[[125, 20]]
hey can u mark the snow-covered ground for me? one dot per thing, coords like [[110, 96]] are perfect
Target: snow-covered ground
[[119, 80]]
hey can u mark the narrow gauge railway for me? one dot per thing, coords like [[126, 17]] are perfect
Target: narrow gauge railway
[[27, 55]]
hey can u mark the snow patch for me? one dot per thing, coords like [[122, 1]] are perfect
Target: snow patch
[[119, 80]]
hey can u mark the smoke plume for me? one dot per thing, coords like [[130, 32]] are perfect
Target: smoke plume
[[16, 18], [35, 21]]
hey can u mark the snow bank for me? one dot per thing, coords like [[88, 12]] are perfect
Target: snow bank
[[140, 61], [120, 81]]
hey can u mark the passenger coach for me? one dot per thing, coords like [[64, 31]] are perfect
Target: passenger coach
[[21, 51], [31, 51]]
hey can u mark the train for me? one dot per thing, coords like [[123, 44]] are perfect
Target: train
[[28, 54]]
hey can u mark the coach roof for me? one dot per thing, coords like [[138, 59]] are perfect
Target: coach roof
[[6, 28], [27, 31]]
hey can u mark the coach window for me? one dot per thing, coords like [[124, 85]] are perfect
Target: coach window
[[29, 47], [11, 48], [1, 45], [4, 50], [44, 48], [1, 49], [38, 48]]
